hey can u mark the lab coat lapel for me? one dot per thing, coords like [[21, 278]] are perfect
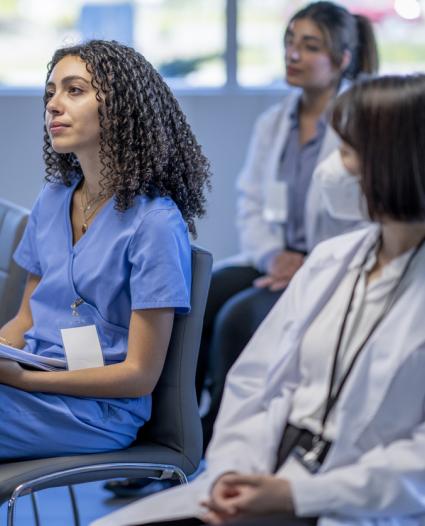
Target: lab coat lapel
[[321, 280], [281, 137], [314, 207], [330, 268], [377, 368]]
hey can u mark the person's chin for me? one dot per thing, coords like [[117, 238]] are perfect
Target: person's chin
[[294, 81], [61, 148]]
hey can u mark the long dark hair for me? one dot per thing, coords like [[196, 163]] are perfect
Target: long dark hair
[[383, 119], [344, 31], [146, 144]]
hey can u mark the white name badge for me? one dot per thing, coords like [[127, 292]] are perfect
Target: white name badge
[[82, 347], [276, 202]]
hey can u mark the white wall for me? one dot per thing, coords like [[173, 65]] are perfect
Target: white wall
[[221, 121]]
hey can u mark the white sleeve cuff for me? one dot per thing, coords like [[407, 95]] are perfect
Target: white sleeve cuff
[[313, 495]]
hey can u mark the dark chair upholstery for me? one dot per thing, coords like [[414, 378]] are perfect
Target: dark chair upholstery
[[12, 278], [169, 446]]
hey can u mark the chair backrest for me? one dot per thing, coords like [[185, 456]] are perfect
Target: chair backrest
[[175, 421], [12, 278]]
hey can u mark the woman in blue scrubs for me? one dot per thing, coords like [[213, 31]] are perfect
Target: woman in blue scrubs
[[107, 251]]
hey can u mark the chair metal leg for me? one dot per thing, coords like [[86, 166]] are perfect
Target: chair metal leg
[[75, 512], [11, 509], [34, 503], [167, 471]]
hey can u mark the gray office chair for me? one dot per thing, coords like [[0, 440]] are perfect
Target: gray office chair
[[169, 446], [12, 278]]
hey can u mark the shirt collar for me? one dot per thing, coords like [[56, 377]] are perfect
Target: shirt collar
[[370, 241], [294, 114], [362, 241], [294, 117]]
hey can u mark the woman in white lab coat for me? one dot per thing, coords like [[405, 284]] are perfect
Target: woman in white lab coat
[[280, 215], [326, 424]]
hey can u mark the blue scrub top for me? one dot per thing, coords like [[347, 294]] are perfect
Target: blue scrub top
[[137, 259]]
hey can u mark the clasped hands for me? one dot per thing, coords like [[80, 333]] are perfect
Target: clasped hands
[[280, 270], [234, 496]]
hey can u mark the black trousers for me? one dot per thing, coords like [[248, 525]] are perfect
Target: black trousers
[[275, 519], [233, 313]]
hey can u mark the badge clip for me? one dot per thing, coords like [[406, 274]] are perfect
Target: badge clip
[[312, 458], [74, 306]]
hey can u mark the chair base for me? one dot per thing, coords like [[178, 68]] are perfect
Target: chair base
[[165, 471]]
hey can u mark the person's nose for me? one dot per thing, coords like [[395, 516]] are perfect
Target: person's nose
[[293, 53], [54, 105]]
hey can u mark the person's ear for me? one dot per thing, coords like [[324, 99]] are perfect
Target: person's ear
[[346, 60]]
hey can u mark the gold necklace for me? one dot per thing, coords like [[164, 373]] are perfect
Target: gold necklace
[[90, 207]]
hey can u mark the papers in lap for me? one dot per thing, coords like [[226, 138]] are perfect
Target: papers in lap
[[34, 361]]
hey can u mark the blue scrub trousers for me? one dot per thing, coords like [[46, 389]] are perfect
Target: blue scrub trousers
[[35, 425]]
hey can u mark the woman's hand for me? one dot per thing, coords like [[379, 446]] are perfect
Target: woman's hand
[[235, 495], [280, 270], [218, 509], [11, 373]]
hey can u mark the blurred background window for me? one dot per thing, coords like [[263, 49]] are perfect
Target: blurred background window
[[186, 39], [399, 25], [260, 35]]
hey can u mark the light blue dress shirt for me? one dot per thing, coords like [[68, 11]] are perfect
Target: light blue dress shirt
[[298, 162]]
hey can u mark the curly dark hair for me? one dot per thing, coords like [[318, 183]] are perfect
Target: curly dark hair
[[146, 145]]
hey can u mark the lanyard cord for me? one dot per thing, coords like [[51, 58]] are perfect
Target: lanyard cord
[[332, 399]]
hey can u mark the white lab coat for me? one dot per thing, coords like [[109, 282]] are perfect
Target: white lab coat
[[374, 474], [259, 233]]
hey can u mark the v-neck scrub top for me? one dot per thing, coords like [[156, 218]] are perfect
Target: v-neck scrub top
[[137, 259]]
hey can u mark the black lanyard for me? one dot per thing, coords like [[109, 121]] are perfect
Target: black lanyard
[[332, 399]]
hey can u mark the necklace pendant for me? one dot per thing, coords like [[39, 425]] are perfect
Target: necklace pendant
[[84, 228]]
